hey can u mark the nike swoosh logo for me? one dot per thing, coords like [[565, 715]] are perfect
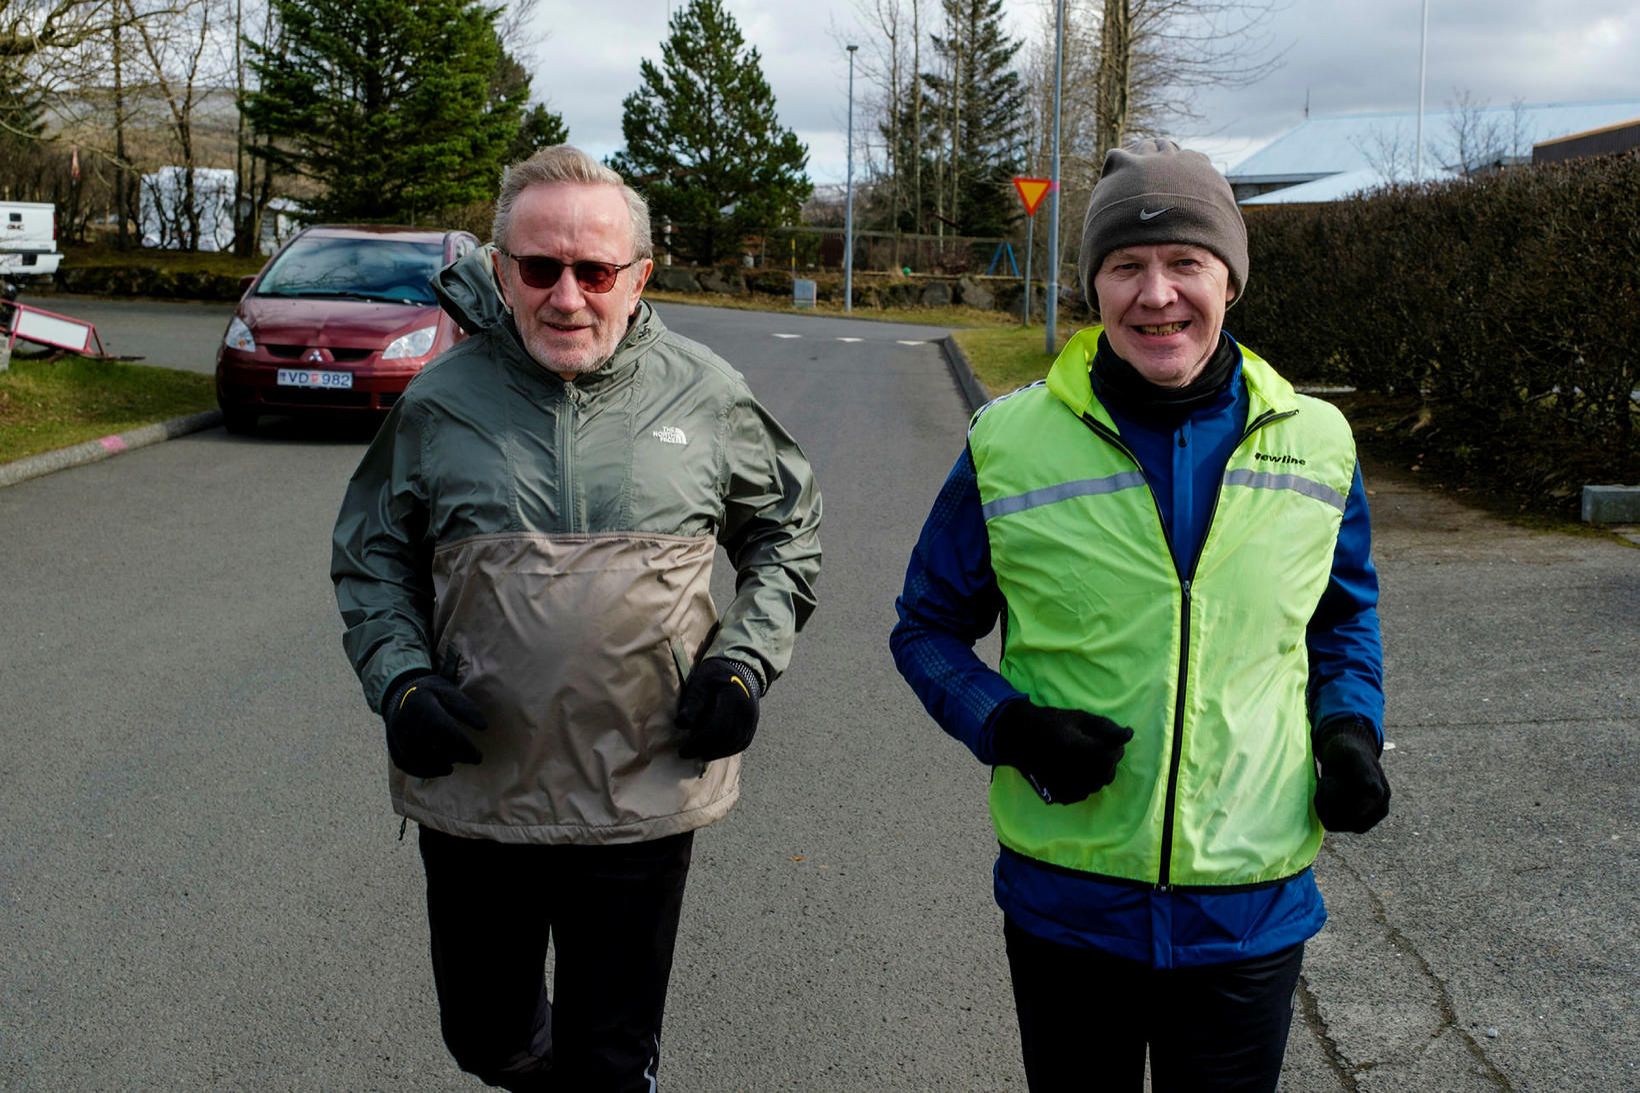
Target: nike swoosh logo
[[1145, 214]]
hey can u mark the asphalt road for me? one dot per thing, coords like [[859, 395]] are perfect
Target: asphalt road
[[202, 887]]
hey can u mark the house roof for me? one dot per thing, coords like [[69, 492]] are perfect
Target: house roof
[[1321, 147], [1331, 187], [1617, 127]]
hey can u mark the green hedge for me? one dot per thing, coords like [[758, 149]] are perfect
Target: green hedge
[[154, 281], [1507, 306]]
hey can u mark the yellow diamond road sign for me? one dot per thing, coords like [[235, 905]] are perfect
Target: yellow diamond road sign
[[1031, 192]]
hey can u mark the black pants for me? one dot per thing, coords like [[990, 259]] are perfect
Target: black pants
[[612, 915], [1085, 1019]]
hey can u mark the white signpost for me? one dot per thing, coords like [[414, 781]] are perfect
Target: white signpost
[[31, 324]]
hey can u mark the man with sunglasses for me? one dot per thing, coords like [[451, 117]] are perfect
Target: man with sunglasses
[[522, 562]]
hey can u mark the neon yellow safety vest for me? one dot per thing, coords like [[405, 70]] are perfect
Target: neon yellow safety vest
[[1208, 668]]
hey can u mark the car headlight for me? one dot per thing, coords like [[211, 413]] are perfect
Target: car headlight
[[239, 336], [414, 344]]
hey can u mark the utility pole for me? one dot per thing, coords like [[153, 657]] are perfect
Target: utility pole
[[848, 215], [1051, 314]]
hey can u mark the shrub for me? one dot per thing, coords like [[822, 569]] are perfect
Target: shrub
[[1508, 306]]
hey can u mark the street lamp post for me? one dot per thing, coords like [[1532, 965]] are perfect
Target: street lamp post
[[1051, 316], [848, 215], [1423, 65]]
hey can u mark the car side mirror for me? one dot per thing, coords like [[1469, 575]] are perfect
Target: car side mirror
[[245, 283]]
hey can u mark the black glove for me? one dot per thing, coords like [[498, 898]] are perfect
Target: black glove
[[718, 710], [425, 716], [1066, 755], [1352, 793]]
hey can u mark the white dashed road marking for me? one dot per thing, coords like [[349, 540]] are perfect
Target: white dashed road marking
[[901, 341]]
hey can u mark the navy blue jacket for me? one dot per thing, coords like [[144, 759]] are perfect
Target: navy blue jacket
[[951, 600]]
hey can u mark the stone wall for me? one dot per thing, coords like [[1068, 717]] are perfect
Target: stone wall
[[871, 290], [137, 280]]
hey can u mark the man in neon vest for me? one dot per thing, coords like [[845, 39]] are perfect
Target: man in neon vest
[[1179, 548]]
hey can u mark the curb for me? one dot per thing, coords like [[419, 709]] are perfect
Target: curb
[[973, 392], [102, 448]]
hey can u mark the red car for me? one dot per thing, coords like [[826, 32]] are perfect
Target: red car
[[340, 319]]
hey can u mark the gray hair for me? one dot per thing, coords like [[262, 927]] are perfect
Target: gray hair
[[564, 163]]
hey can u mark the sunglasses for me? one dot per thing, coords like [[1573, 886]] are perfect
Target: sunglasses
[[539, 271]]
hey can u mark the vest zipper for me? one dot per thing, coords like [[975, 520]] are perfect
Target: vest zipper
[[1162, 881], [1176, 752]]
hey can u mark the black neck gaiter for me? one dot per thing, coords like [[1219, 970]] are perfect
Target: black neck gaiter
[[1118, 383]]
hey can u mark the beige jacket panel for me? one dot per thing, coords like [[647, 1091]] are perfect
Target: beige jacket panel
[[575, 647]]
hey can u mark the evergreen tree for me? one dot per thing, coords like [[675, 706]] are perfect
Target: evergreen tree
[[538, 127], [703, 143], [392, 106], [973, 123]]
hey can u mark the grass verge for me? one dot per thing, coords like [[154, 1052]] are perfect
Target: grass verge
[[1006, 358], [48, 403], [922, 316]]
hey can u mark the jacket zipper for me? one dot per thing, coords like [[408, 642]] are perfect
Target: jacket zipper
[[1176, 751], [566, 456]]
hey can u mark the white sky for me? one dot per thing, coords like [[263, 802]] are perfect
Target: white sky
[[1349, 56]]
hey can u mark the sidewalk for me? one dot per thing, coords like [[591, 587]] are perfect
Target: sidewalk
[[1484, 937]]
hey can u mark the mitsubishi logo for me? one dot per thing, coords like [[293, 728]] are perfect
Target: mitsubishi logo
[[316, 355]]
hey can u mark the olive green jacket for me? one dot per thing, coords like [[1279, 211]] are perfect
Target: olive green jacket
[[549, 546]]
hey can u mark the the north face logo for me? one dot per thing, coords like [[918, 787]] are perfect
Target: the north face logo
[[670, 434]]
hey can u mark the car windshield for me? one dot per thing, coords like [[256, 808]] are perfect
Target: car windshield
[[370, 268]]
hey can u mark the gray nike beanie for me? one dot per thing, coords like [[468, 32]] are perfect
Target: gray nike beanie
[[1156, 192]]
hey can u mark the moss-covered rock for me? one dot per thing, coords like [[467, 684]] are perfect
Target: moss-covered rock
[[675, 279], [972, 293], [723, 280], [769, 282], [936, 294]]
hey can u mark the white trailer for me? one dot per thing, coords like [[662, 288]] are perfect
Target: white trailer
[[162, 209]]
